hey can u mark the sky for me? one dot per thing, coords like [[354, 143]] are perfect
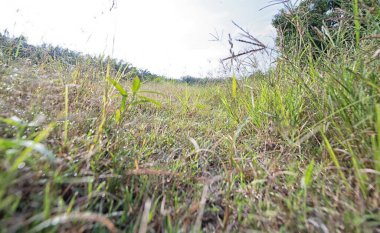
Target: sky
[[166, 37]]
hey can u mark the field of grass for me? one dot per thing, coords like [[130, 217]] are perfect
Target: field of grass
[[84, 149]]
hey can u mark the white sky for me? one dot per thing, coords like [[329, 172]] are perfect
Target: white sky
[[167, 37]]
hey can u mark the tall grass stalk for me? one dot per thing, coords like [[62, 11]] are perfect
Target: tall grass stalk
[[66, 124], [356, 21], [377, 147]]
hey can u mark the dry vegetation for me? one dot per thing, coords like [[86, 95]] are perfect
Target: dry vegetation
[[294, 150]]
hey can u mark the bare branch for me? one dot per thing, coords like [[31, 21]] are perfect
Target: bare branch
[[249, 39], [249, 42], [275, 2], [216, 36], [113, 5], [243, 53]]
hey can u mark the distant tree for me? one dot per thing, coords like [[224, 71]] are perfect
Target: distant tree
[[10, 46], [307, 22], [189, 79], [304, 22]]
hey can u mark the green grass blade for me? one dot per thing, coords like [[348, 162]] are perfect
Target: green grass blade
[[26, 152], [334, 158], [234, 86], [19, 47], [356, 21], [136, 85], [307, 178], [377, 146], [117, 115], [118, 87], [147, 99], [123, 104], [66, 126], [47, 201]]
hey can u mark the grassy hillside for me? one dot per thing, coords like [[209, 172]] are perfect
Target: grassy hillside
[[89, 148]]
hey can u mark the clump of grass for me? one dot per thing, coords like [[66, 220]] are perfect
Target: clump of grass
[[94, 148]]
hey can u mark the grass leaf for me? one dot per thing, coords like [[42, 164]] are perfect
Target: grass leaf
[[356, 20], [234, 86], [147, 99], [117, 85], [117, 115], [333, 157], [307, 178], [136, 85]]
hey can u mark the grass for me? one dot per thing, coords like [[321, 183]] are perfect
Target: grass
[[294, 150]]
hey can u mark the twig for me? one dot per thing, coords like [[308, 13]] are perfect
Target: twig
[[371, 37], [145, 217], [274, 3], [243, 53], [84, 216], [144, 171], [202, 204], [249, 42]]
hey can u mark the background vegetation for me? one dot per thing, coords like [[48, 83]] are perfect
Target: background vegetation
[[86, 145]]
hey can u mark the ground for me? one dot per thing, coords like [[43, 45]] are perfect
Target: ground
[[200, 158]]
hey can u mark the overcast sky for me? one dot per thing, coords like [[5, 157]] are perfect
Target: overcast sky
[[168, 37]]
